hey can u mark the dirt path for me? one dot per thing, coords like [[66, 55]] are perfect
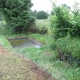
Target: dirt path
[[16, 67]]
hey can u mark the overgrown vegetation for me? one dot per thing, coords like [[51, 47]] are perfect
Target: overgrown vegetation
[[65, 27], [63, 36], [46, 58], [5, 43]]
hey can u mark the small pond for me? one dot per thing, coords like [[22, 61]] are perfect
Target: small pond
[[22, 42]]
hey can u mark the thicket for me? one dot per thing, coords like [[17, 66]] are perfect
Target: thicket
[[65, 25], [17, 14]]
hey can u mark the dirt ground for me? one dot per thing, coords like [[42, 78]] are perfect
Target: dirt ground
[[16, 67]]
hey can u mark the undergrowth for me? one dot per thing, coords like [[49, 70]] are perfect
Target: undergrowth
[[47, 59], [58, 69], [68, 50]]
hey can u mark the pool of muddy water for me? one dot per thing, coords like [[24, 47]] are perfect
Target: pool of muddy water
[[22, 42]]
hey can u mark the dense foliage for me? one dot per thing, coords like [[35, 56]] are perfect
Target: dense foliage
[[1, 18], [65, 25], [17, 14], [75, 29], [40, 14], [61, 21]]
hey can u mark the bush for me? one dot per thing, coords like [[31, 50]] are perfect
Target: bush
[[61, 21], [65, 26], [69, 50]]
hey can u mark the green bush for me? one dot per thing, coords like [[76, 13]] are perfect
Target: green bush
[[75, 29], [68, 49], [61, 21], [65, 25]]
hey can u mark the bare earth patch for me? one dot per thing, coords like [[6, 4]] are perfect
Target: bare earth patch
[[16, 67]]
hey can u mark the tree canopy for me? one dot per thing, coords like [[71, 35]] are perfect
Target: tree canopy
[[17, 14], [40, 14]]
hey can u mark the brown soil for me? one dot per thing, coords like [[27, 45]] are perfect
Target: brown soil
[[16, 67], [3, 51]]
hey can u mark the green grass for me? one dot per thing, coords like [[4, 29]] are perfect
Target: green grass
[[44, 23], [5, 42], [44, 39], [58, 69], [5, 29], [2, 27]]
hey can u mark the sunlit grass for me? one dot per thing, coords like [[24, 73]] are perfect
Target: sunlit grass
[[5, 42], [44, 23]]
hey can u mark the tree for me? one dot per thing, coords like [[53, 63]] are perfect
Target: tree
[[42, 15], [1, 18], [34, 13], [17, 14]]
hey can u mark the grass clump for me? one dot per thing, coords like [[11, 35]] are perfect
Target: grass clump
[[5, 42], [44, 39]]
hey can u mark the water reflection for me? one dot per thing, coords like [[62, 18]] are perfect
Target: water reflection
[[22, 42]]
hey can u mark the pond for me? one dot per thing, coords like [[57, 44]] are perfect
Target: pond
[[22, 43]]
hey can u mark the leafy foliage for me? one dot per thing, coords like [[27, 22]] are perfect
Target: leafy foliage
[[61, 21], [40, 14], [69, 50], [75, 29], [65, 25], [17, 14]]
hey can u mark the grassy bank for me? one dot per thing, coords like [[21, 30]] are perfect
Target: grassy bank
[[44, 23], [5, 42], [45, 57]]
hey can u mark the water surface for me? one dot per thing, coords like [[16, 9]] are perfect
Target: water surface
[[22, 42]]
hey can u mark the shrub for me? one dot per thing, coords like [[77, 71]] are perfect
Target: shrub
[[69, 50], [61, 21], [66, 31]]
